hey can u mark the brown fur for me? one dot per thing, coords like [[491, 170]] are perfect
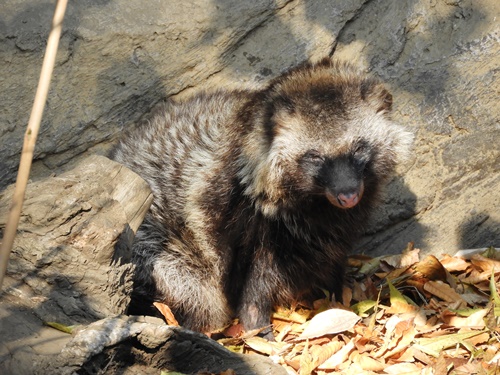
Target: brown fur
[[260, 194]]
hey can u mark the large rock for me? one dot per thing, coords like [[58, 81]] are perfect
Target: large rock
[[117, 59], [441, 60]]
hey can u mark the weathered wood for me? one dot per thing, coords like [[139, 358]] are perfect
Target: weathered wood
[[107, 346], [65, 247]]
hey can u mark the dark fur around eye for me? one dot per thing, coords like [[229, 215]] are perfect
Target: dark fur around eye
[[361, 155], [311, 163], [312, 157]]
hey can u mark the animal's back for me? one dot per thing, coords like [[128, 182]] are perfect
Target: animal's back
[[181, 147], [179, 153]]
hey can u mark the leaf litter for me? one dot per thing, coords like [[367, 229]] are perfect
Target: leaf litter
[[399, 315]]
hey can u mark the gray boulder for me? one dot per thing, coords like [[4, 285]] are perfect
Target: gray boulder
[[118, 59]]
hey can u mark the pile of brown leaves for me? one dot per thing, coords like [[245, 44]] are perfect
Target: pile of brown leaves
[[401, 315]]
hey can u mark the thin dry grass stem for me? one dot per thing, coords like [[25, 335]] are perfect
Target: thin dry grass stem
[[31, 135]]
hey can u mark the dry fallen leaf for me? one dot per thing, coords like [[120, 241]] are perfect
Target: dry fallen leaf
[[368, 363], [485, 264], [407, 258], [454, 264], [167, 313], [416, 319], [443, 291], [264, 346], [399, 304], [428, 269], [405, 333], [329, 322], [403, 368], [433, 346], [475, 320], [339, 357], [321, 353]]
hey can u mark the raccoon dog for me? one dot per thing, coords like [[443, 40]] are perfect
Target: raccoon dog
[[258, 195]]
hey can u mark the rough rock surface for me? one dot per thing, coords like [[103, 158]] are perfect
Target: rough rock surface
[[441, 60], [118, 59]]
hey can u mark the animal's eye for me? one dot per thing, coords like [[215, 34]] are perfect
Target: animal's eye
[[360, 150], [361, 155], [313, 156]]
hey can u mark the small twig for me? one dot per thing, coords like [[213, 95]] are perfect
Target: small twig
[[30, 136]]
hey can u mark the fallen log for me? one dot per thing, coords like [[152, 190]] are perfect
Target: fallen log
[[146, 345], [72, 249]]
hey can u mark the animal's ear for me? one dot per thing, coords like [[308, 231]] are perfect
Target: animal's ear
[[377, 95]]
